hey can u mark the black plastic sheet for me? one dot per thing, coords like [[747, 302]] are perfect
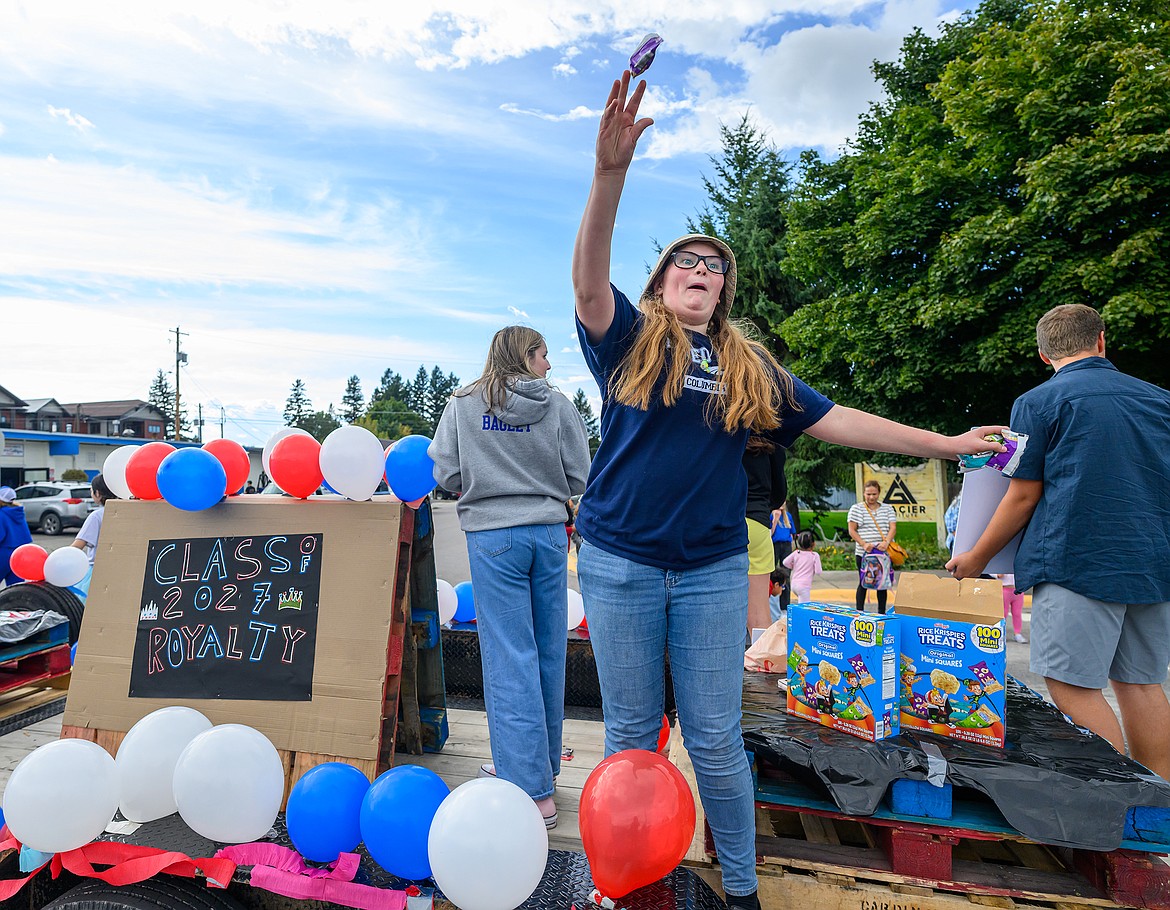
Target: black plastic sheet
[[1054, 782]]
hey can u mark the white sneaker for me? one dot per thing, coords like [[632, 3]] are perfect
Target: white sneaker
[[1020, 638], [489, 770]]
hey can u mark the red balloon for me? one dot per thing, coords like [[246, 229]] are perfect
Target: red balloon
[[142, 469], [637, 818], [234, 460], [295, 465], [28, 561], [664, 734]]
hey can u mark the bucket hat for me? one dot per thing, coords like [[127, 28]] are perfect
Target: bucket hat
[[726, 296]]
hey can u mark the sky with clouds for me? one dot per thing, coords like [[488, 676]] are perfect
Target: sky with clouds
[[317, 190]]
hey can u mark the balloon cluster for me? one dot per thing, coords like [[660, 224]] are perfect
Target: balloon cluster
[[63, 567], [350, 462], [226, 782], [484, 844]]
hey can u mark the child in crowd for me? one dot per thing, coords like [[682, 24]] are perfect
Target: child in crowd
[[776, 599], [1013, 605], [804, 562]]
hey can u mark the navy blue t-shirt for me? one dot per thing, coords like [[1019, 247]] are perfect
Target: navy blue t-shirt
[[1100, 441], [667, 489]]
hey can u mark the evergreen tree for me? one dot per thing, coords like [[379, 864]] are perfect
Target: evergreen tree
[[439, 390], [418, 392], [592, 426], [162, 396], [353, 404], [298, 406]]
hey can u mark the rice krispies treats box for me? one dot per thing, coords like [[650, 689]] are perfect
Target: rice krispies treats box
[[953, 658], [842, 669]]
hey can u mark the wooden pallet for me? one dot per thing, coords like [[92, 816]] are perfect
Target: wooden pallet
[[809, 846], [25, 664]]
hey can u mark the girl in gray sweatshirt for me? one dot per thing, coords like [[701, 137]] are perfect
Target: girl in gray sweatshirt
[[516, 449]]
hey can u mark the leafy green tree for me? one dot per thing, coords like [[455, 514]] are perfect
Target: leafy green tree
[[1017, 163], [592, 425], [298, 406], [392, 419], [319, 423], [353, 404]]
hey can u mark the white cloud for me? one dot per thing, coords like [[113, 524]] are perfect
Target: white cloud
[[578, 113], [518, 313], [76, 121], [564, 69]]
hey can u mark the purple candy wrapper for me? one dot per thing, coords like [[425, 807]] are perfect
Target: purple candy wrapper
[[864, 677], [641, 59], [986, 677]]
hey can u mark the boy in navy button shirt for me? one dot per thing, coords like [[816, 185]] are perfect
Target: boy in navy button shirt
[[1092, 490]]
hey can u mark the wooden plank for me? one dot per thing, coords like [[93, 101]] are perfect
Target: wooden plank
[[69, 731], [819, 830], [990, 900], [109, 740], [781, 892]]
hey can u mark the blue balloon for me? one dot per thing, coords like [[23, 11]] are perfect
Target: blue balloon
[[324, 809], [396, 819], [409, 469], [191, 479], [73, 654], [465, 610]]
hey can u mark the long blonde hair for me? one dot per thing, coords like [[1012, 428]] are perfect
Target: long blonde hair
[[507, 361], [752, 386]]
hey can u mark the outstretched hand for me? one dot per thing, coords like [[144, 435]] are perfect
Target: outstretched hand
[[966, 565], [620, 127], [973, 442]]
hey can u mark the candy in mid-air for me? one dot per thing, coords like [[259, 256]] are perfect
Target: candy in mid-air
[[641, 59]]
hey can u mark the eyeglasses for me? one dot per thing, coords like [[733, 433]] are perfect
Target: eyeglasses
[[685, 259]]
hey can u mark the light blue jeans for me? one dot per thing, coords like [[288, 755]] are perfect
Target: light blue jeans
[[520, 580], [636, 613]]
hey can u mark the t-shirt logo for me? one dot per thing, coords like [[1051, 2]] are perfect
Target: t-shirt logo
[[702, 358]]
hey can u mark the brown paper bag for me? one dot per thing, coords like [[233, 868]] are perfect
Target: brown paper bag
[[769, 654]]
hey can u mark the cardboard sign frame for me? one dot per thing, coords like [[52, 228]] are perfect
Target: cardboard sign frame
[[365, 578]]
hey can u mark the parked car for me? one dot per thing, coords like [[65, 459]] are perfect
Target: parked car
[[51, 507]]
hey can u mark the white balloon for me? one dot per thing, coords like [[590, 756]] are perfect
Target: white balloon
[[114, 471], [66, 566], [147, 757], [274, 439], [352, 462], [576, 609], [229, 783], [61, 795], [448, 601], [488, 845]]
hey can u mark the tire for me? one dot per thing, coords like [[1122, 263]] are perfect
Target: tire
[[37, 595], [51, 524], [154, 893]]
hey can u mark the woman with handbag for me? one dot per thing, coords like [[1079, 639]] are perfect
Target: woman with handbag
[[872, 525]]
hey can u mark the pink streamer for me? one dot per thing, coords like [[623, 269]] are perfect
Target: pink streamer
[[283, 871]]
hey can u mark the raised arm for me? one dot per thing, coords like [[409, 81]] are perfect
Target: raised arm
[[617, 137], [862, 430]]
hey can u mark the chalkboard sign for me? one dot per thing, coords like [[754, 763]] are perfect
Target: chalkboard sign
[[228, 617]]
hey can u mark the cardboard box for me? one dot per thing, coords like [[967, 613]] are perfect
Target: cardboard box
[[842, 669], [277, 613], [953, 658]]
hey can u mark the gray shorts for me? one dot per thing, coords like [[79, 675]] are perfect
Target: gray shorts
[[1086, 642]]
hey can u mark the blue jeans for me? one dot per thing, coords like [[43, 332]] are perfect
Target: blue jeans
[[520, 579], [636, 613]]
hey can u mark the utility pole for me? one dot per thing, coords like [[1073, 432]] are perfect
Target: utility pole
[[201, 423], [180, 358], [221, 422]]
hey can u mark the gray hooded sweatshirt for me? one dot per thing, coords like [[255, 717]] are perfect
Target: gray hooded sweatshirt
[[515, 467]]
